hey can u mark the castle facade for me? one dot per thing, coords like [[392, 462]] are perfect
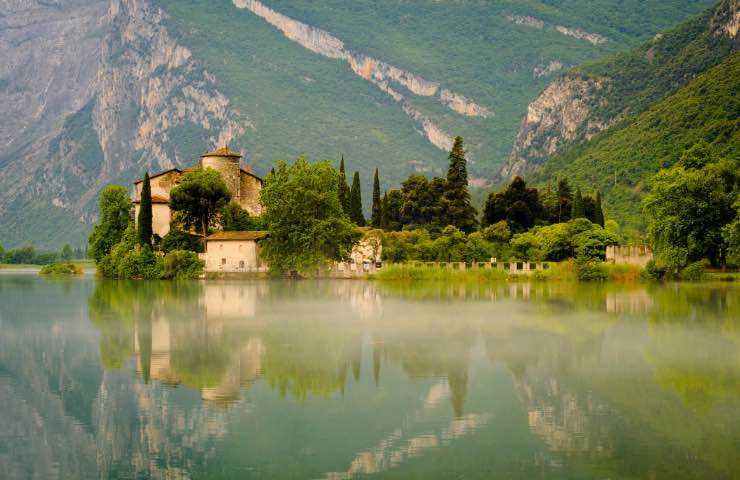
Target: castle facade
[[244, 186]]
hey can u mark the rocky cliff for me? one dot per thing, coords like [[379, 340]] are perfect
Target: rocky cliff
[[588, 99], [99, 107]]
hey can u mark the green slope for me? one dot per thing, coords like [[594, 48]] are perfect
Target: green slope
[[621, 160], [301, 102]]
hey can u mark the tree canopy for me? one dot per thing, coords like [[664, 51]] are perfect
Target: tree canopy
[[199, 198], [308, 227], [115, 215]]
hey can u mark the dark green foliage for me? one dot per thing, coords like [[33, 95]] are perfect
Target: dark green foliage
[[199, 199], [621, 161], [651, 271], [421, 203], [182, 265], [115, 216], [376, 217], [128, 260], [518, 205], [28, 255], [590, 271], [688, 210], [235, 218], [598, 211], [731, 235], [458, 210], [144, 222], [344, 193], [564, 200], [391, 206], [355, 202], [180, 240], [577, 211], [308, 228], [61, 269]]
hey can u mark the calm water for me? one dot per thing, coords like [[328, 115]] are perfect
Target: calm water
[[344, 380]]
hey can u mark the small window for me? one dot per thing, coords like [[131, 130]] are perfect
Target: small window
[[223, 261], [241, 263]]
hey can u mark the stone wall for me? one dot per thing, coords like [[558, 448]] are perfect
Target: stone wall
[[250, 194], [629, 255], [229, 169]]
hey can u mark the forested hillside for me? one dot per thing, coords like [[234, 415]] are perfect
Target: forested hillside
[[621, 161], [592, 97]]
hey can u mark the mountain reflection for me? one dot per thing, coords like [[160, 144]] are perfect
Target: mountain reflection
[[351, 379]]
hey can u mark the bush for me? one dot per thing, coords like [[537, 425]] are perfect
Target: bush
[[590, 271], [141, 264], [692, 271], [182, 265], [651, 271], [61, 269]]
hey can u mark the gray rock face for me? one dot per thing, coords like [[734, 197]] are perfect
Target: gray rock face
[[93, 92]]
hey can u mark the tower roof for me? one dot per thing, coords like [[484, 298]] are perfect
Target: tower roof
[[222, 152]]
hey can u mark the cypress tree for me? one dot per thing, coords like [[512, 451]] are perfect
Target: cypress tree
[[384, 220], [599, 212], [145, 213], [577, 210], [376, 218], [355, 202], [344, 193], [460, 212]]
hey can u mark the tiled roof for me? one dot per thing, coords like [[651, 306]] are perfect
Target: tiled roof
[[157, 199], [222, 152], [159, 174], [241, 235]]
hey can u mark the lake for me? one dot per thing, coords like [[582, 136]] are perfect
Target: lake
[[353, 379]]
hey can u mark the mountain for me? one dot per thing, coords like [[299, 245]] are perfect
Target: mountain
[[621, 161], [590, 98], [612, 124], [97, 91]]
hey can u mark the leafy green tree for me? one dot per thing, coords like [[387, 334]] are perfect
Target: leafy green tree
[[456, 200], [697, 156], [308, 227], [177, 239], [577, 211], [235, 218], [392, 205], [561, 241], [144, 222], [115, 215], [66, 254], [421, 206], [344, 193], [599, 213], [199, 199], [2, 254], [687, 210], [355, 202], [376, 217]]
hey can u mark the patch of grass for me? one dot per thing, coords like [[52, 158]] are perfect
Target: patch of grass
[[411, 272]]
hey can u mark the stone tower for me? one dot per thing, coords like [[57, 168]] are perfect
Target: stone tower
[[227, 163]]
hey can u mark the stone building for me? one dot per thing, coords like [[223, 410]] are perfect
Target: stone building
[[232, 252], [629, 255], [244, 186]]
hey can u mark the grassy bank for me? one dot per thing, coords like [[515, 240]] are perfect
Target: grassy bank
[[567, 271]]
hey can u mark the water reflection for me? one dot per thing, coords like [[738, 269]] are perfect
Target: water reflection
[[352, 379]]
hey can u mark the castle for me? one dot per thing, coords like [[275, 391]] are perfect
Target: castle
[[244, 186]]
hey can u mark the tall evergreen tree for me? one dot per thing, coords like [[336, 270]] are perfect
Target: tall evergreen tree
[[456, 200], [344, 193], [355, 202], [376, 217], [145, 213], [565, 200], [577, 210], [599, 212]]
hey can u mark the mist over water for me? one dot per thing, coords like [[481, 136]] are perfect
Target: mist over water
[[353, 379]]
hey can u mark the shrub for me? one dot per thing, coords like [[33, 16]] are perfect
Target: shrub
[[141, 264], [693, 271], [61, 269], [182, 265], [590, 271], [651, 271]]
